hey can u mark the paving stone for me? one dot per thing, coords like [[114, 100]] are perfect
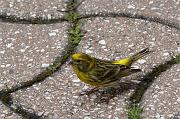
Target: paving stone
[[115, 38], [162, 99], [32, 8], [26, 50], [166, 9]]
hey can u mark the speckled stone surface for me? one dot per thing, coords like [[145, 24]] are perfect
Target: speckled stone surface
[[167, 9], [162, 99], [32, 8], [25, 50], [5, 113], [59, 97]]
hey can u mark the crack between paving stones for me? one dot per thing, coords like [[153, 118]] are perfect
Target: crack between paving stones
[[134, 16], [74, 39]]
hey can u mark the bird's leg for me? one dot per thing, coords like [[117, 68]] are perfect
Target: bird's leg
[[88, 92]]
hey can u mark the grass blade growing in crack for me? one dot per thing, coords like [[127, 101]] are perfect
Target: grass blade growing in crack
[[134, 112]]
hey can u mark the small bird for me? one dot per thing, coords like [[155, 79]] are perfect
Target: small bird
[[103, 73]]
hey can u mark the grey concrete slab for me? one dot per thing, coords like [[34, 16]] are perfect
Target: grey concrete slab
[[25, 50], [118, 37], [162, 99], [166, 9], [32, 8]]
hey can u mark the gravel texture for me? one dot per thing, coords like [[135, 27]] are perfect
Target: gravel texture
[[5, 113], [162, 100], [32, 8], [167, 9], [58, 96], [28, 49]]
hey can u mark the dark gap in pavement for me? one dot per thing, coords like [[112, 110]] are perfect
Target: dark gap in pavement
[[38, 20], [7, 100], [134, 16], [148, 78], [75, 36]]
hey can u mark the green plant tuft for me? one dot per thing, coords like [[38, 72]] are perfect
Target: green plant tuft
[[75, 34], [134, 112]]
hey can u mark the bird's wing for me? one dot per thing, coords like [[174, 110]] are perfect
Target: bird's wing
[[105, 72]]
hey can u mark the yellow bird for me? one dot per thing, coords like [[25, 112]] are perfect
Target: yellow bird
[[102, 73]]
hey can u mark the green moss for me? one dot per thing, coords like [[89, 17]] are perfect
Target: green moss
[[71, 4], [176, 59], [72, 16], [75, 36], [134, 112]]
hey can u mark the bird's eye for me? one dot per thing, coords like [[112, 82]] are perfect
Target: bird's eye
[[78, 60]]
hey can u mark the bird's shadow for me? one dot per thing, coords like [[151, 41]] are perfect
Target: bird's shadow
[[105, 95], [139, 88]]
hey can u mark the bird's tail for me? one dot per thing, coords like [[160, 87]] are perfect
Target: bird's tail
[[140, 54], [128, 61]]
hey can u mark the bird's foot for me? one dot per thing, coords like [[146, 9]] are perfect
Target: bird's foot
[[88, 92]]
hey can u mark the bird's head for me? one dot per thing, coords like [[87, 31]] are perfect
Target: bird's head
[[82, 62]]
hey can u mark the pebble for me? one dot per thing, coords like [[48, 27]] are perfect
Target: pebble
[[49, 16], [7, 65], [153, 39], [22, 50], [2, 52], [178, 49], [130, 7], [102, 42], [178, 99], [141, 61], [176, 79], [44, 65], [52, 34], [9, 45], [158, 116], [75, 80], [178, 18], [89, 51], [165, 54], [2, 66], [87, 117], [150, 2]]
